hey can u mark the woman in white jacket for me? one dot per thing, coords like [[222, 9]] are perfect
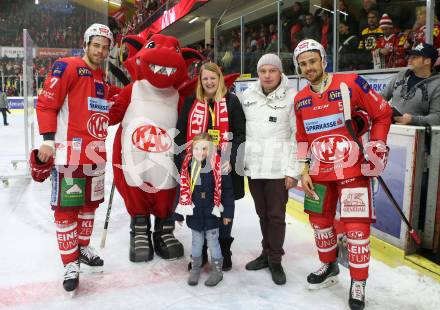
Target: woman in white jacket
[[269, 158]]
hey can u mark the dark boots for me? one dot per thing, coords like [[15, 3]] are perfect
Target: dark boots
[[277, 272], [260, 262], [165, 244], [141, 249], [225, 245]]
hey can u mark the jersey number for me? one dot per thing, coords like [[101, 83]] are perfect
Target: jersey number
[[53, 81]]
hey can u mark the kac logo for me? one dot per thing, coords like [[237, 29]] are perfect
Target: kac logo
[[97, 126], [151, 139], [331, 148]]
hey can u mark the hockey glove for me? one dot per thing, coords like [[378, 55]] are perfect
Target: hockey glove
[[377, 156], [40, 171], [361, 122]]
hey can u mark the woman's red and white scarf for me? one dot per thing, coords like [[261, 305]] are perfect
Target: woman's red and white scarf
[[185, 205], [198, 120]]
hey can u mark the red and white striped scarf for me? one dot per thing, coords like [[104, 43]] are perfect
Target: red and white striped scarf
[[198, 120], [185, 205]]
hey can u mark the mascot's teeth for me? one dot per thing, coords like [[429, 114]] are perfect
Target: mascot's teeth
[[162, 70]]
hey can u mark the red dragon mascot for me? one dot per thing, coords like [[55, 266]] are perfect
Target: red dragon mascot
[[143, 167]]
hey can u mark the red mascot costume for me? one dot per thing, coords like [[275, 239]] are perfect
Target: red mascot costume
[[143, 167]]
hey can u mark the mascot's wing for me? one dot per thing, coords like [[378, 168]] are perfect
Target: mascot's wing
[[230, 79], [190, 55]]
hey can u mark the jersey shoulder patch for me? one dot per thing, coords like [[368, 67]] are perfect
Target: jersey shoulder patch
[[362, 83], [58, 68]]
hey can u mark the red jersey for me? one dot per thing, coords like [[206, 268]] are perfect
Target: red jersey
[[419, 36], [72, 105], [321, 130]]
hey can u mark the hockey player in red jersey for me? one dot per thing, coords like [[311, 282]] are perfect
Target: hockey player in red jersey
[[72, 114], [332, 167]]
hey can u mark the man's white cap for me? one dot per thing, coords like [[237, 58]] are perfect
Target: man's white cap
[[270, 59]]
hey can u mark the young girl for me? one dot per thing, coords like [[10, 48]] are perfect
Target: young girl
[[205, 197]]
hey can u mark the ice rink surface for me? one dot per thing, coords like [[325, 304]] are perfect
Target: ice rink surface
[[31, 270]]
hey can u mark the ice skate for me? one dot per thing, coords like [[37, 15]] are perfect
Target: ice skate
[[325, 276], [71, 277], [356, 300], [89, 257]]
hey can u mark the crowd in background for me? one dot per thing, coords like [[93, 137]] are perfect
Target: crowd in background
[[377, 36], [50, 23], [146, 10], [11, 70]]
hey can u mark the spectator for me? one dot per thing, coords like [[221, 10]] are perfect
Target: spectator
[[415, 92], [292, 24], [270, 149], [201, 195], [273, 39], [419, 29], [367, 6], [326, 31], [348, 48], [212, 95], [369, 37], [310, 29], [389, 48], [346, 15]]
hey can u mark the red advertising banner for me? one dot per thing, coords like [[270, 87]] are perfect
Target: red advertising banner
[[53, 52], [172, 15]]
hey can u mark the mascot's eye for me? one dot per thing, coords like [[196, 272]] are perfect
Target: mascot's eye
[[150, 45], [177, 49]]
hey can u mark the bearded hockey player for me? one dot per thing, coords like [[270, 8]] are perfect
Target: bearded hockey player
[[332, 166], [72, 114]]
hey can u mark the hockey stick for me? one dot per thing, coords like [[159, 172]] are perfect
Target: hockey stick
[[107, 217], [345, 94]]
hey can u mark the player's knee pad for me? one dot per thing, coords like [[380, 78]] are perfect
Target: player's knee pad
[[358, 241]]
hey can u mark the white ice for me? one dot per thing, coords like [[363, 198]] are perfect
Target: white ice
[[31, 270]]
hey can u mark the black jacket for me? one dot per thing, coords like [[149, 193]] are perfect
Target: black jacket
[[203, 200], [237, 125]]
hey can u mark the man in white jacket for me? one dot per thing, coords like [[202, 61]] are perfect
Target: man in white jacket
[[269, 158]]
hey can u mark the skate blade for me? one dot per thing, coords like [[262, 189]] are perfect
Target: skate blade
[[328, 282], [72, 294]]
